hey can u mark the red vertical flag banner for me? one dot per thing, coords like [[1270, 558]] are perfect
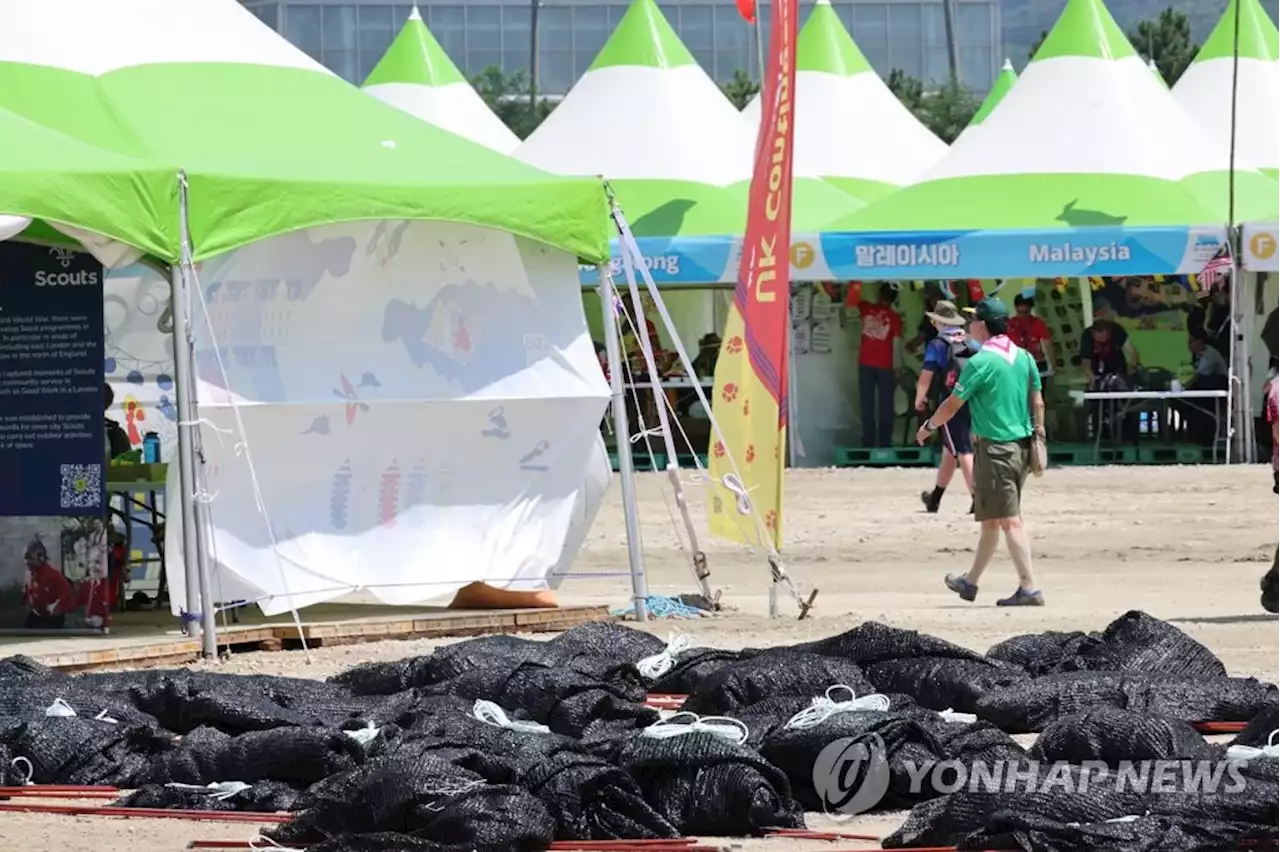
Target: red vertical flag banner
[[750, 397]]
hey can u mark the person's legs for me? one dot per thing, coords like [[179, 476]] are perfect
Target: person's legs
[[946, 470], [867, 404], [887, 389], [985, 483]]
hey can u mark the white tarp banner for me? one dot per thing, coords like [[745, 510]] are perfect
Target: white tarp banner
[[421, 403], [138, 349]]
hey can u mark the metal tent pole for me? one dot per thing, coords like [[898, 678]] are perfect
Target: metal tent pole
[[622, 432], [194, 553]]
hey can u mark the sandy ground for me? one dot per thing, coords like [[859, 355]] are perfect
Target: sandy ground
[[1187, 544]]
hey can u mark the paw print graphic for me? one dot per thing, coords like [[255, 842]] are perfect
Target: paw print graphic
[[751, 453], [730, 392], [734, 346], [746, 408], [777, 453], [718, 449], [771, 520]]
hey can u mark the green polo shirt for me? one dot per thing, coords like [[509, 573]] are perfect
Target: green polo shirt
[[996, 392]]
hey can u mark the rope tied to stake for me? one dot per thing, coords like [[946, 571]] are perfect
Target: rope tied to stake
[[724, 727], [826, 706], [492, 714], [652, 668], [1245, 754]]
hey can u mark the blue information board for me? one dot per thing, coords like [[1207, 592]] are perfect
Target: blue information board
[[52, 441]]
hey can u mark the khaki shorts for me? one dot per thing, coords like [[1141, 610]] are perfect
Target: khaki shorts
[[999, 472]]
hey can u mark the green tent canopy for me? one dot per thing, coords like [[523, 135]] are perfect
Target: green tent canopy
[[1070, 146], [1004, 82], [271, 141], [417, 76]]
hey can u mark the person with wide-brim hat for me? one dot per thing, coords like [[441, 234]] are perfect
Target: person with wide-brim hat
[[944, 358]]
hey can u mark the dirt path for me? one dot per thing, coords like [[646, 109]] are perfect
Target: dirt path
[[1184, 544]]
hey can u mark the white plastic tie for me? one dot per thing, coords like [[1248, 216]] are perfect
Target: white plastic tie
[[732, 730], [103, 717], [652, 668], [262, 842], [60, 709], [1245, 754], [950, 715], [1121, 819], [827, 706], [218, 790], [25, 774], [365, 736], [492, 714]]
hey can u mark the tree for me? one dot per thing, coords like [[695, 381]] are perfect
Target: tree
[[1035, 48], [1167, 40], [946, 112], [740, 90], [508, 96]]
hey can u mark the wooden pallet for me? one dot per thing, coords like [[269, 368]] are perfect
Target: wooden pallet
[[103, 653], [886, 456]]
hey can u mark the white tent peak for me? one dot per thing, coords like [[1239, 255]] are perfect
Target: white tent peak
[[414, 14], [678, 124], [1008, 64], [861, 138]]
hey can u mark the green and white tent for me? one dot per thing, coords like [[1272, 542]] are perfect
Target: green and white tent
[[417, 76], [650, 120], [1070, 146], [1205, 87], [1003, 83], [206, 87], [851, 130]]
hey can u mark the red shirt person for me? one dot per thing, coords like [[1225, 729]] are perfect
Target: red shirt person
[[1030, 332], [877, 360], [48, 593]]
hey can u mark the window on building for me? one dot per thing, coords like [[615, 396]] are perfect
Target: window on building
[[268, 13], [555, 49], [517, 31], [871, 32], [448, 25], [735, 43], [590, 32], [483, 28], [377, 29], [906, 37], [302, 27]]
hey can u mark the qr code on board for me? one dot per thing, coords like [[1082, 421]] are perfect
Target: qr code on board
[[81, 486]]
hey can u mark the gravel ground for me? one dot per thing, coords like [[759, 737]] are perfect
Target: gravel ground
[[1186, 544]]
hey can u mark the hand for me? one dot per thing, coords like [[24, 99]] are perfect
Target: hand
[[920, 405], [51, 608], [922, 435]]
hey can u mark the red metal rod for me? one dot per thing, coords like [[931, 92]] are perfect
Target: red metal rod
[[1219, 727], [811, 834], [32, 789], [141, 813], [681, 843], [36, 793]]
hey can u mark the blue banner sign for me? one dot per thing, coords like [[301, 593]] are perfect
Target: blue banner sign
[[925, 255], [52, 442]]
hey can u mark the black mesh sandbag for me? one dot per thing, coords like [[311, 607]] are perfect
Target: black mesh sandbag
[[264, 797], [694, 666], [511, 651], [1012, 830], [942, 683], [22, 666], [873, 642], [1257, 732], [376, 678], [566, 701], [452, 807], [973, 743], [773, 674], [908, 747], [948, 820], [1136, 642], [1111, 735], [299, 756], [1262, 769], [29, 698], [589, 798], [704, 784], [1042, 653], [1030, 706], [408, 709], [234, 704], [610, 640], [75, 750], [10, 775], [1214, 791]]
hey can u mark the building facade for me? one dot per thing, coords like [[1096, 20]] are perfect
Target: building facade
[[350, 36]]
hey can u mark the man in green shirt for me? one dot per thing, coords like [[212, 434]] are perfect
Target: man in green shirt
[[1001, 386]]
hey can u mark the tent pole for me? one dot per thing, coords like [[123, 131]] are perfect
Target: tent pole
[[622, 433], [199, 592]]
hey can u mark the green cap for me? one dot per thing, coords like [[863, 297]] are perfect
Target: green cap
[[989, 309]]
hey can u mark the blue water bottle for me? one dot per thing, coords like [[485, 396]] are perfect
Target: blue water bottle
[[151, 448]]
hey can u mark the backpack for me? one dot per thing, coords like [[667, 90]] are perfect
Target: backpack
[[958, 354]]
